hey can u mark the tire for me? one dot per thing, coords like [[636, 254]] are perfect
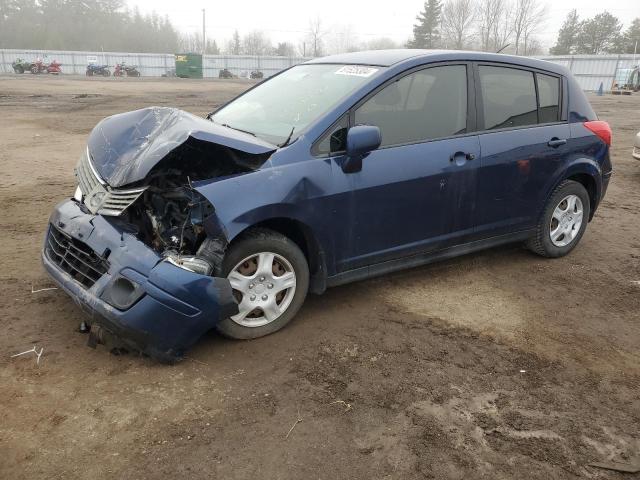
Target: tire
[[106, 73], [247, 251], [34, 70], [19, 69], [559, 219]]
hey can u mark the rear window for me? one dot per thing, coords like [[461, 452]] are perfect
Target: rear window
[[508, 97]]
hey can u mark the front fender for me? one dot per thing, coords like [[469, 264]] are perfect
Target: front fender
[[301, 191]]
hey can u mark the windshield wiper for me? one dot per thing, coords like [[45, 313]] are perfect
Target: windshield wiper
[[238, 129], [286, 142]]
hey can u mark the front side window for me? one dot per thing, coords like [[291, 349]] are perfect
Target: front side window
[[549, 95], [293, 100], [421, 106], [508, 97], [335, 140]]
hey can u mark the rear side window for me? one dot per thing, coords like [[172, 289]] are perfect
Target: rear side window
[[549, 96], [421, 106], [508, 97]]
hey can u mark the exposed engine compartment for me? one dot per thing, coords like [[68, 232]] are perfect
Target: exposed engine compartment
[[171, 216]]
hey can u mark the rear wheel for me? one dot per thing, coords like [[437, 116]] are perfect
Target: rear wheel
[[106, 73], [563, 221], [269, 276], [18, 69]]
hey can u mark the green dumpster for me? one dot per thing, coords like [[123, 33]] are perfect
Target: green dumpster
[[189, 65]]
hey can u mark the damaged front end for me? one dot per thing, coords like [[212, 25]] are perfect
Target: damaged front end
[[138, 247]]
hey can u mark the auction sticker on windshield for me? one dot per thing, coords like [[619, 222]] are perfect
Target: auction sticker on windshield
[[356, 71]]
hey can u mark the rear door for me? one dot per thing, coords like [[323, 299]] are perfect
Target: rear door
[[523, 138]]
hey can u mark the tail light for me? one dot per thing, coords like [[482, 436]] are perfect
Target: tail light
[[601, 129]]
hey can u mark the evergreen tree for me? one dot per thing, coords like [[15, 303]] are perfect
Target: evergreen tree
[[426, 33], [627, 41], [92, 25], [236, 46], [600, 34], [568, 35]]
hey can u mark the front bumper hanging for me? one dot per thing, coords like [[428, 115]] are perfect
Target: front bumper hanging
[[129, 291]]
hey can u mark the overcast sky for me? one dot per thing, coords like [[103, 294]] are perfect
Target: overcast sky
[[287, 20]]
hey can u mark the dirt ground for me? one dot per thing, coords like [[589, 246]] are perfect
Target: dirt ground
[[495, 365]]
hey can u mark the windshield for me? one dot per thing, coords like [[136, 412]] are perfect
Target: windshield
[[292, 100]]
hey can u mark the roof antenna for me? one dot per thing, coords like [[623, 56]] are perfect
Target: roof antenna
[[503, 48]]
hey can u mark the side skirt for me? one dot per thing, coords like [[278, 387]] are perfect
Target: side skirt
[[425, 258]]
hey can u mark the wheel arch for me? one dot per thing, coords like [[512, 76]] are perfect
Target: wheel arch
[[586, 172], [303, 236]]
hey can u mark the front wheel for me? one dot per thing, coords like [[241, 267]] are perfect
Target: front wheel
[[563, 221], [269, 276]]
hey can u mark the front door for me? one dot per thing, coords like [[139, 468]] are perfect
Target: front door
[[417, 192]]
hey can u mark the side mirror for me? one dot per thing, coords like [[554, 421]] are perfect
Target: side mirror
[[361, 140]]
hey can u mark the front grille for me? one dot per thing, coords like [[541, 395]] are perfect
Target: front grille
[[75, 257], [98, 196]]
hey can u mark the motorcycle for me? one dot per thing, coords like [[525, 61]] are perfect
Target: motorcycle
[[40, 67], [257, 74], [122, 69], [54, 68], [20, 65], [93, 69]]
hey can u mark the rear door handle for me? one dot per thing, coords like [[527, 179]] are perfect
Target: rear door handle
[[556, 142], [466, 156]]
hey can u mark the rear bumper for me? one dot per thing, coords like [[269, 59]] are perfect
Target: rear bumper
[[171, 307]]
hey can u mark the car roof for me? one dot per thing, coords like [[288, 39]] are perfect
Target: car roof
[[387, 58]]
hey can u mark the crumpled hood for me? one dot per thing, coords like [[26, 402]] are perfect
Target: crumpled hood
[[125, 147]]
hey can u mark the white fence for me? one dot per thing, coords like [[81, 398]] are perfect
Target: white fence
[[151, 64], [590, 70]]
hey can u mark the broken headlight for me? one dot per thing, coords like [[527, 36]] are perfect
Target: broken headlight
[[190, 263]]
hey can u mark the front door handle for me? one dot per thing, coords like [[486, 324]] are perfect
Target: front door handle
[[466, 156], [556, 142]]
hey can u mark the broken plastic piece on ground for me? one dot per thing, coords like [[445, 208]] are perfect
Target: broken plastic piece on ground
[[43, 289], [34, 350], [617, 466]]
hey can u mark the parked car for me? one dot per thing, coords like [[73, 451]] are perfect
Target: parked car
[[94, 69], [636, 147], [225, 73], [335, 170]]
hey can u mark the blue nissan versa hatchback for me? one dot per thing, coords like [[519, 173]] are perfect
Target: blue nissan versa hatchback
[[335, 170]]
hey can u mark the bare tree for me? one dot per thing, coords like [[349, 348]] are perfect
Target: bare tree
[[315, 35], [527, 18], [342, 39], [382, 43], [457, 21], [256, 43], [490, 15], [502, 28]]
